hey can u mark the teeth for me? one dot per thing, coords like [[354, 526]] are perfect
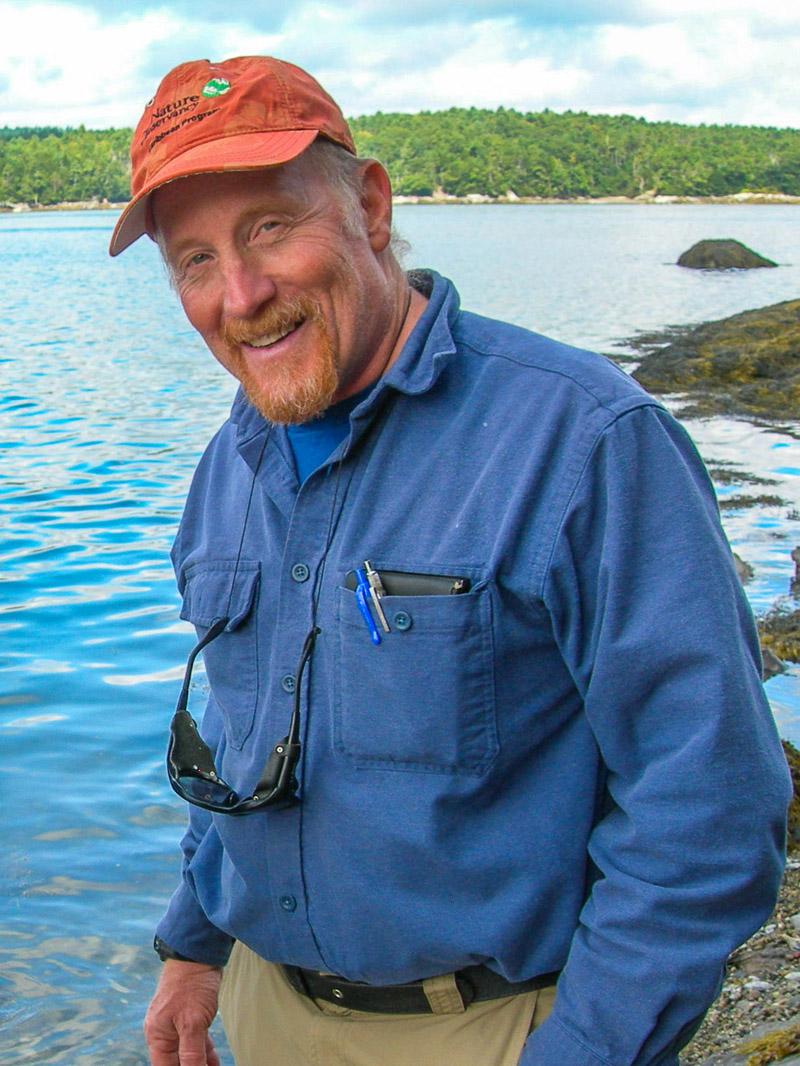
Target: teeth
[[267, 339]]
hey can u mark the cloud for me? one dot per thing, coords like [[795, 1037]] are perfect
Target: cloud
[[706, 71], [688, 60], [90, 82], [250, 12], [275, 15]]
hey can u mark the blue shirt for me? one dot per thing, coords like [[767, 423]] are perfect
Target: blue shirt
[[571, 765]]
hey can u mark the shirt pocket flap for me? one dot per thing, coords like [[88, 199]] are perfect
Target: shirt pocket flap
[[210, 592]]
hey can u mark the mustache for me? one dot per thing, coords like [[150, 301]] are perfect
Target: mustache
[[278, 319]]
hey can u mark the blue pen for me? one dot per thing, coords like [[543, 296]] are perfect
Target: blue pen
[[362, 599]]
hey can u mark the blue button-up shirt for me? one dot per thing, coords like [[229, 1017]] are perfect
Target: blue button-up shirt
[[570, 765]]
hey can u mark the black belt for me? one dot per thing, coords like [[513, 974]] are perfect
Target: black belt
[[474, 983]]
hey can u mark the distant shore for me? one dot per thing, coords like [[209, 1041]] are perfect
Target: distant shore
[[473, 198], [644, 198]]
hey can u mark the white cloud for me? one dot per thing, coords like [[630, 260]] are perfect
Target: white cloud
[[778, 11], [687, 60], [62, 66], [703, 71]]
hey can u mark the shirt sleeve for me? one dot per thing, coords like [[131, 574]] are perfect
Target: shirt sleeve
[[653, 625]]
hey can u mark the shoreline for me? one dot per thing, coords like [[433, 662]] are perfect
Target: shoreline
[[644, 198], [749, 198]]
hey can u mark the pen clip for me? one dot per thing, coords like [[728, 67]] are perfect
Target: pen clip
[[363, 589], [376, 591]]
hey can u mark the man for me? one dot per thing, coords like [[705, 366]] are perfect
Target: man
[[480, 781]]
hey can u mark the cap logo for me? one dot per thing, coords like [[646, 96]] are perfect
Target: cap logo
[[216, 87]]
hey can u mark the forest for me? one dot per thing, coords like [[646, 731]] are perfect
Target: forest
[[459, 152]]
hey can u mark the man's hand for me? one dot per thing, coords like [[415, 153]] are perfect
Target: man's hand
[[177, 1021]]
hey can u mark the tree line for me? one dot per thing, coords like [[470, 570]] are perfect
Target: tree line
[[51, 166], [459, 152]]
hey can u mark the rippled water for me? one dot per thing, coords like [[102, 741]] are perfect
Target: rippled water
[[107, 399]]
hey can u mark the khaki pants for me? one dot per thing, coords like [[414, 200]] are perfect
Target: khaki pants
[[269, 1024]]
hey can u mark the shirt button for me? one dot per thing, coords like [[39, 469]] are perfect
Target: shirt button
[[288, 903], [300, 572], [288, 683], [402, 620]]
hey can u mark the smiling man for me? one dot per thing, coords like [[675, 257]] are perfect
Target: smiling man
[[477, 782]]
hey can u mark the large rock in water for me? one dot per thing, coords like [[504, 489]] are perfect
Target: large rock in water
[[722, 255], [746, 364]]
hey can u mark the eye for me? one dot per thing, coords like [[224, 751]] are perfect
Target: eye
[[267, 227], [188, 266]]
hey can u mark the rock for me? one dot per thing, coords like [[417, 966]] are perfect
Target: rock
[[745, 364], [794, 586], [722, 255], [779, 631], [769, 1042], [793, 829], [743, 569], [771, 665]]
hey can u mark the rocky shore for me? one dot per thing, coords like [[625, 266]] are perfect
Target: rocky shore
[[747, 364]]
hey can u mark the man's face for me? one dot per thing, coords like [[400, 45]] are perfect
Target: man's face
[[279, 283]]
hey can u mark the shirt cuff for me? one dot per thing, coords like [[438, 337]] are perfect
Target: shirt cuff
[[189, 932]]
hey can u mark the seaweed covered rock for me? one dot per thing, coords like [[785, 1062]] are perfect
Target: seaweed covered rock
[[779, 630], [722, 255], [746, 364], [793, 759], [773, 1046]]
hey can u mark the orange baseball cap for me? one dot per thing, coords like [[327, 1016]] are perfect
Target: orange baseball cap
[[240, 114]]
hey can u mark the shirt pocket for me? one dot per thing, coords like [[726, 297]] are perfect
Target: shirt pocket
[[213, 590], [423, 699]]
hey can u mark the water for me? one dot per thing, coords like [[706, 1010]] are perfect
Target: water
[[107, 400]]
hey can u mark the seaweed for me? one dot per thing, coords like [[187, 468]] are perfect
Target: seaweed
[[746, 364], [773, 1047], [779, 630]]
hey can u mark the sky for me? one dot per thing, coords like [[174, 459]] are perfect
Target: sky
[[97, 62]]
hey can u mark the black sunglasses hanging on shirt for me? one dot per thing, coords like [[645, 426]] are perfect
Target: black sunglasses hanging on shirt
[[190, 762]]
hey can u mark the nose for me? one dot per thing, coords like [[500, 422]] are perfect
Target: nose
[[247, 286]]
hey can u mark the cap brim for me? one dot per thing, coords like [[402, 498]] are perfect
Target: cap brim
[[244, 151]]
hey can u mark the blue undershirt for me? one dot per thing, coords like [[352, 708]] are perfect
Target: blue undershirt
[[314, 441]]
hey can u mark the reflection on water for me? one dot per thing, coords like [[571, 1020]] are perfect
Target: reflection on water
[[107, 399]]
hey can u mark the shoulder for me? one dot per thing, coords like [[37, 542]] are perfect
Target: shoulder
[[550, 372]]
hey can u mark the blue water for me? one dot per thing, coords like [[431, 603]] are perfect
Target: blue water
[[107, 400]]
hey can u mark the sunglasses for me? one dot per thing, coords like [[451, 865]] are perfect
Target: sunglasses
[[190, 764]]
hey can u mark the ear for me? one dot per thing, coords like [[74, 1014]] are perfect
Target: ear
[[376, 203]]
